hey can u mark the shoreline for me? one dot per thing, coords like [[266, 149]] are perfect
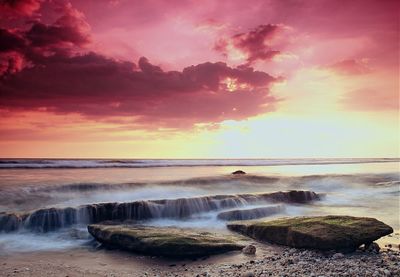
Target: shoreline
[[269, 260]]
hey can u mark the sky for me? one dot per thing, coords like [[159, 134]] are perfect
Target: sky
[[184, 79]]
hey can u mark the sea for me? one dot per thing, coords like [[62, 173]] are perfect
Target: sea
[[355, 187]]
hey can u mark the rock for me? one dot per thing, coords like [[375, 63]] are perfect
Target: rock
[[248, 274], [340, 233], [238, 172], [372, 247], [249, 250], [337, 256], [167, 242], [245, 214]]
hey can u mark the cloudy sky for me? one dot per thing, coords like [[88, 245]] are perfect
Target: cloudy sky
[[199, 79]]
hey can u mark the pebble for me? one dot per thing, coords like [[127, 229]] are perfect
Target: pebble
[[249, 249], [248, 274], [338, 256]]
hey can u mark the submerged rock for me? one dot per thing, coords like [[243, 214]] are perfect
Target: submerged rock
[[238, 172], [341, 233], [167, 242], [245, 214]]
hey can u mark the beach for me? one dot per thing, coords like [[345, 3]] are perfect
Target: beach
[[270, 260]]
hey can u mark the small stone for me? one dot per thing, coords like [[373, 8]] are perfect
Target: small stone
[[249, 250], [248, 274], [372, 247], [338, 256]]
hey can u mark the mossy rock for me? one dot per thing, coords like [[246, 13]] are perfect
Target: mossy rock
[[167, 242], [341, 233]]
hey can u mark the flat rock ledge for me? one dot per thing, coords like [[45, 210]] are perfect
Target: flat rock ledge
[[340, 233], [162, 241]]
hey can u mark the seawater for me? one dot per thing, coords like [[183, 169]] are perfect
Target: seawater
[[351, 187]]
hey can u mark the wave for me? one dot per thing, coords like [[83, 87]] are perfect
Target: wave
[[137, 163]]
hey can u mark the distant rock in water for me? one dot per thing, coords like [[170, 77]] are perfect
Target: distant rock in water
[[50, 219], [341, 233], [167, 242], [238, 172], [245, 214]]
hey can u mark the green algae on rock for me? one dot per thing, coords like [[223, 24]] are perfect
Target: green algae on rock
[[162, 241], [341, 233]]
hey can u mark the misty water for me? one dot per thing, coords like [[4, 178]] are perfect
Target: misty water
[[349, 187]]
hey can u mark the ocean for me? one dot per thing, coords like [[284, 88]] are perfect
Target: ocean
[[357, 187]]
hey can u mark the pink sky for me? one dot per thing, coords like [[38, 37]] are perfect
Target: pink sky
[[172, 69]]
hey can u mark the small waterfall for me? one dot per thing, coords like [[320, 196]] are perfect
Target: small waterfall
[[45, 220], [246, 214]]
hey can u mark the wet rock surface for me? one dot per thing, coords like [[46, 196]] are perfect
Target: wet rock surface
[[166, 242], [342, 233]]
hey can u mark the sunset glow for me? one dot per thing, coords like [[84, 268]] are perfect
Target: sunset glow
[[179, 79]]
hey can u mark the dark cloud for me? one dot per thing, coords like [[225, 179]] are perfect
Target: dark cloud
[[254, 44], [19, 7], [10, 41], [67, 35], [11, 46], [95, 86]]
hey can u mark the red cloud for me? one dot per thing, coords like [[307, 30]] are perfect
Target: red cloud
[[254, 45], [43, 68], [70, 29], [350, 67], [67, 35], [20, 7], [95, 86]]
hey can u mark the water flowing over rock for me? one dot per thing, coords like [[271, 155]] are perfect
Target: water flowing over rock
[[246, 214], [51, 219], [157, 241], [340, 233]]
